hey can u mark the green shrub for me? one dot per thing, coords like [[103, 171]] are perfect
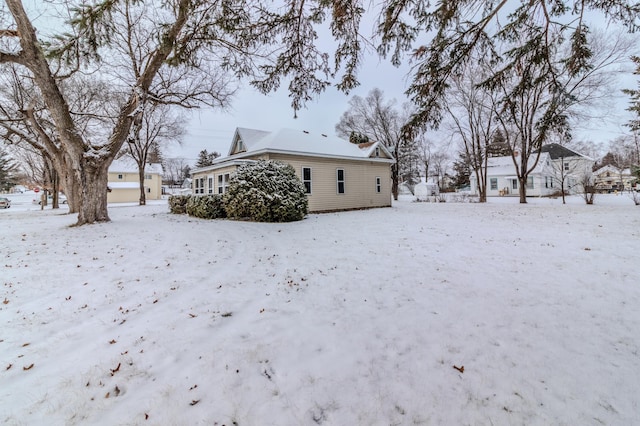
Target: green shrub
[[266, 191], [178, 203], [206, 206]]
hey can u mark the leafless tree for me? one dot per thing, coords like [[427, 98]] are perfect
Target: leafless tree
[[588, 188], [159, 127], [471, 111], [537, 100], [178, 52], [174, 170], [379, 121]]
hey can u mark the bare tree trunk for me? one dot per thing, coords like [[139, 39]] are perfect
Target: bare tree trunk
[[523, 189], [93, 180], [394, 181], [143, 196]]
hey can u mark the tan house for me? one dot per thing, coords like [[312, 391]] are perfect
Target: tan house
[[124, 182], [337, 174], [610, 178]]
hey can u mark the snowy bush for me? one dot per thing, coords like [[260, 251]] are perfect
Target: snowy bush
[[206, 206], [178, 203], [266, 191]]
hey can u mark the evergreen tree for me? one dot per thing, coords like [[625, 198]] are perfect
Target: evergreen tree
[[498, 146], [634, 123], [206, 158], [462, 169], [8, 170], [358, 138]]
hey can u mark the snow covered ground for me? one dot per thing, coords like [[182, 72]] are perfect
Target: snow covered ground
[[355, 318]]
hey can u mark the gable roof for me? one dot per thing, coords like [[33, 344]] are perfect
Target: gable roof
[[503, 166], [126, 164], [557, 151], [251, 142]]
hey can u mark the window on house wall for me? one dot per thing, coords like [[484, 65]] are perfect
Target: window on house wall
[[530, 182], [494, 183], [566, 166], [147, 177], [223, 183], [120, 177], [548, 182], [197, 186], [306, 179], [340, 180], [378, 184], [210, 186], [514, 183], [377, 152]]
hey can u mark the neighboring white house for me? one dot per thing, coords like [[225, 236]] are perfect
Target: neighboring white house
[[124, 181], [557, 166], [337, 174]]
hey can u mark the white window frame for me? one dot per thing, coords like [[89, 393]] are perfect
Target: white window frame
[[378, 185], [530, 182], [340, 181], [307, 181], [199, 185], [210, 182], [566, 166], [493, 184], [223, 182], [147, 177], [120, 177]]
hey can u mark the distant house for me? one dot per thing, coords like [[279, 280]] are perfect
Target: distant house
[[124, 181], [337, 174], [556, 167], [610, 178]]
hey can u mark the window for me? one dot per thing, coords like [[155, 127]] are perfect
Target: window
[[147, 177], [566, 166], [378, 184], [340, 180], [120, 177], [240, 145], [210, 187], [306, 179], [494, 183], [548, 182], [377, 152], [514, 183], [223, 183], [530, 182], [199, 186]]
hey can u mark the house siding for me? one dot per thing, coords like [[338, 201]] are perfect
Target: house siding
[[153, 187], [360, 182]]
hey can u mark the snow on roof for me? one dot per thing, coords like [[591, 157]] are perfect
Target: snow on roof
[[503, 166], [301, 142], [248, 136], [124, 185], [128, 165]]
